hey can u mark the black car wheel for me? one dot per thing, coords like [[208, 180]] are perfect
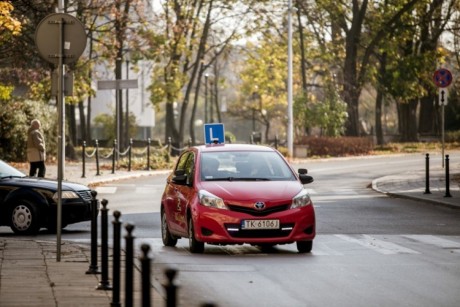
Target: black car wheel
[[168, 239], [304, 246], [196, 247], [24, 218]]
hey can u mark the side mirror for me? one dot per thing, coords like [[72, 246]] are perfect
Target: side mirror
[[304, 178], [179, 177]]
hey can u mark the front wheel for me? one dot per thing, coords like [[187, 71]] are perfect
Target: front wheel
[[196, 247], [168, 239], [25, 218], [304, 246]]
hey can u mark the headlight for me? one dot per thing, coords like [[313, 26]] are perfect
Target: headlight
[[210, 200], [301, 200], [65, 195]]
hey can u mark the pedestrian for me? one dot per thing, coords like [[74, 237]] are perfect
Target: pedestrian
[[36, 150]]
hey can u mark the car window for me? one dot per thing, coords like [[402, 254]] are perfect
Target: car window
[[244, 165], [187, 164]]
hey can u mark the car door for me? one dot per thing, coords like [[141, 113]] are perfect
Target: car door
[[178, 194]]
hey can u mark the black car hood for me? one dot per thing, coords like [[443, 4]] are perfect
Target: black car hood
[[44, 183]]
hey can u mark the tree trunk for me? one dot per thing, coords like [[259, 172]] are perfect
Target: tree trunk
[[408, 121], [379, 100], [427, 116]]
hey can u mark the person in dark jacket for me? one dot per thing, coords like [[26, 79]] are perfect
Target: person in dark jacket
[[36, 150]]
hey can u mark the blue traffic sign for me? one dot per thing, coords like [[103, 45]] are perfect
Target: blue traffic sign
[[214, 134]]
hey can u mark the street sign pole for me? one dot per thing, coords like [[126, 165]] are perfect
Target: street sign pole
[[61, 136], [442, 79], [60, 39], [117, 85]]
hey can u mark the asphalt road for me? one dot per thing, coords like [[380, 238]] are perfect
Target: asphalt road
[[371, 250]]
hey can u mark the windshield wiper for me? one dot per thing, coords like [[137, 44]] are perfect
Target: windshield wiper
[[238, 179], [11, 176]]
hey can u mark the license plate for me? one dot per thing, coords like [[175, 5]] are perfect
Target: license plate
[[260, 224]]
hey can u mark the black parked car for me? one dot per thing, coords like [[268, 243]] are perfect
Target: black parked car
[[28, 203]]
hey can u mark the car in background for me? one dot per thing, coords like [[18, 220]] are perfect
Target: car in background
[[237, 194], [28, 204]]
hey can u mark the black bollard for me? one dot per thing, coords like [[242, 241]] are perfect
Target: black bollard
[[93, 268], [129, 154], [114, 152], [170, 288], [83, 159], [129, 280], [145, 278], [104, 284], [116, 259], [148, 154], [97, 159], [427, 174], [447, 178]]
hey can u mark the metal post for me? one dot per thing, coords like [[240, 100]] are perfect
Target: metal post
[[104, 284], [148, 154], [83, 156], [116, 259], [427, 174], [145, 266], [170, 288], [129, 245], [93, 268], [447, 178], [129, 154], [113, 155], [97, 159], [169, 146]]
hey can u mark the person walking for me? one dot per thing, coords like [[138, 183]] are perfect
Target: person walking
[[36, 150]]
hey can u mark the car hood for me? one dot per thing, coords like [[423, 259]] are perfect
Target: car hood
[[44, 183], [268, 191]]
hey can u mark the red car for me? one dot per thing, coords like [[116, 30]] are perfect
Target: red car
[[237, 194]]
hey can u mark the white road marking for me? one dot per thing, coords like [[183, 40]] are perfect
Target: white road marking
[[434, 240], [106, 190], [380, 246]]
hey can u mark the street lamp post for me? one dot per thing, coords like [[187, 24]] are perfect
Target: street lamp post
[[206, 98], [290, 130]]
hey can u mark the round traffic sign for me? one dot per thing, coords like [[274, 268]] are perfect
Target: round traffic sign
[[442, 77], [48, 33]]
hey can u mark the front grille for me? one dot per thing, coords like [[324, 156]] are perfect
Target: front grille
[[284, 231], [254, 212], [86, 195]]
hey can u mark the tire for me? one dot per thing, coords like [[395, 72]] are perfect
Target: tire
[[168, 239], [196, 247], [304, 246], [25, 218]]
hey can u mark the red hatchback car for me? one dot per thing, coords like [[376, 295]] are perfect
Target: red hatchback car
[[236, 194]]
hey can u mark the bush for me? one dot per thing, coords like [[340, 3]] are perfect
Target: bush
[[337, 147], [15, 120]]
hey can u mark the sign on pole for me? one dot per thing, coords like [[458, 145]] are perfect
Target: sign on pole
[[442, 78], [443, 96], [214, 133], [60, 39]]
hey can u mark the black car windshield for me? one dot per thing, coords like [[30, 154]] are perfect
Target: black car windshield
[[244, 166], [9, 171]]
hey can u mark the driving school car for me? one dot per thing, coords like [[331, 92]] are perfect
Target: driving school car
[[237, 194]]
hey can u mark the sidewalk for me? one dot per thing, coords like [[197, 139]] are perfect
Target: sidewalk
[[31, 276], [413, 186]]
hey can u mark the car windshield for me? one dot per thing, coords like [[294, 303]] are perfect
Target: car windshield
[[9, 171], [244, 165]]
